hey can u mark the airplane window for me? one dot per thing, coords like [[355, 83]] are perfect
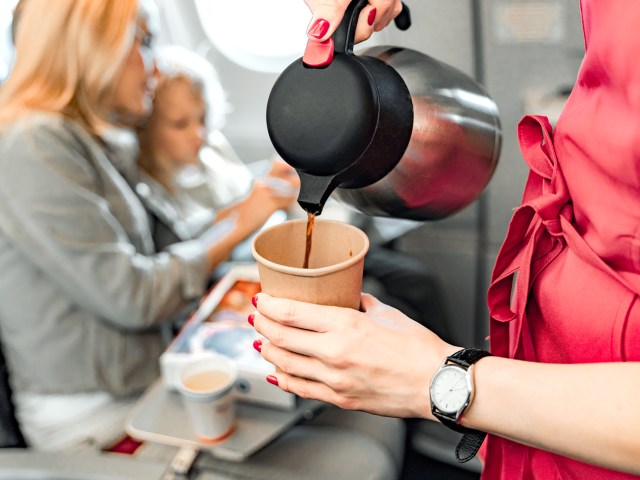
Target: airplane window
[[259, 35], [6, 45]]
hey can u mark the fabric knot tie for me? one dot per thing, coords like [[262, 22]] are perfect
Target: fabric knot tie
[[534, 237]]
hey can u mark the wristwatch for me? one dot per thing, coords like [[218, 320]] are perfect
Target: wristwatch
[[451, 392]]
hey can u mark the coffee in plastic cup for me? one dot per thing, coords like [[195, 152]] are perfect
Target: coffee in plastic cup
[[207, 389]]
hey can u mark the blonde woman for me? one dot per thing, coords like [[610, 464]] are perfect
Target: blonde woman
[[83, 293]]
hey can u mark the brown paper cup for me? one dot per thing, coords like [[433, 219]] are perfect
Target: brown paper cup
[[334, 276]]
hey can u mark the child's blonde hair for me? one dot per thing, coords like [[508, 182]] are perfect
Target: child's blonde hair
[[148, 160], [178, 65]]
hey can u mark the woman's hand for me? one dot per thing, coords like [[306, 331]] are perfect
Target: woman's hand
[[377, 360], [327, 15]]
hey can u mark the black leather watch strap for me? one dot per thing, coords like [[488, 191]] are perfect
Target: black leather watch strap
[[449, 422], [469, 445], [468, 356]]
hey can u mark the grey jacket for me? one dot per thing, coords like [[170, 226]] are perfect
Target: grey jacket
[[82, 291]]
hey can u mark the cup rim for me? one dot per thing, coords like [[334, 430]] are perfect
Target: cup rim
[[230, 368], [310, 272]]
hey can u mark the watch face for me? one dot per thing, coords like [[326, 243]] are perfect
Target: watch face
[[450, 389]]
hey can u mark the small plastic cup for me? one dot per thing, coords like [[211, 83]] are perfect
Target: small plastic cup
[[207, 389]]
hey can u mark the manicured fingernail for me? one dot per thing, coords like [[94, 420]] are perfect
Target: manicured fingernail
[[319, 28], [258, 345], [254, 300], [251, 318], [372, 16], [272, 380]]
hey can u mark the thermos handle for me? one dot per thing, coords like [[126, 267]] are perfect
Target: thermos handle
[[403, 20], [344, 35]]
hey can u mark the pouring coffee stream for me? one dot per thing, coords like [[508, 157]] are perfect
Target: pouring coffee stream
[[391, 131], [311, 220]]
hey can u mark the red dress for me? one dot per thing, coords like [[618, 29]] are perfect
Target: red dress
[[575, 241]]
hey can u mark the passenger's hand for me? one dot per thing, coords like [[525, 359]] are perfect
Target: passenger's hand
[[327, 15], [377, 360], [261, 203], [284, 172], [243, 218]]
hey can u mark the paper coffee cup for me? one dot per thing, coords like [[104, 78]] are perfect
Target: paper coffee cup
[[207, 389], [336, 262]]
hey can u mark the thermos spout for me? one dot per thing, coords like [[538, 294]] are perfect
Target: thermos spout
[[315, 191]]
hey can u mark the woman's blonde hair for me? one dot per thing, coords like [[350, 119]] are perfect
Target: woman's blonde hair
[[69, 54]]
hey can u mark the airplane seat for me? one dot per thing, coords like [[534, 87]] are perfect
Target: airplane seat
[[10, 434]]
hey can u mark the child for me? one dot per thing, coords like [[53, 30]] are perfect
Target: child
[[190, 177]]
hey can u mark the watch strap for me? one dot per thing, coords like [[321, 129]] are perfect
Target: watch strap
[[451, 423], [470, 442], [469, 445], [467, 356]]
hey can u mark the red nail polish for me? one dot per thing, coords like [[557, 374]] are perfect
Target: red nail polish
[[372, 16], [251, 318], [258, 345], [272, 380], [254, 300], [319, 28]]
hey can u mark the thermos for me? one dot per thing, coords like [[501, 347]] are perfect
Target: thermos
[[392, 131]]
